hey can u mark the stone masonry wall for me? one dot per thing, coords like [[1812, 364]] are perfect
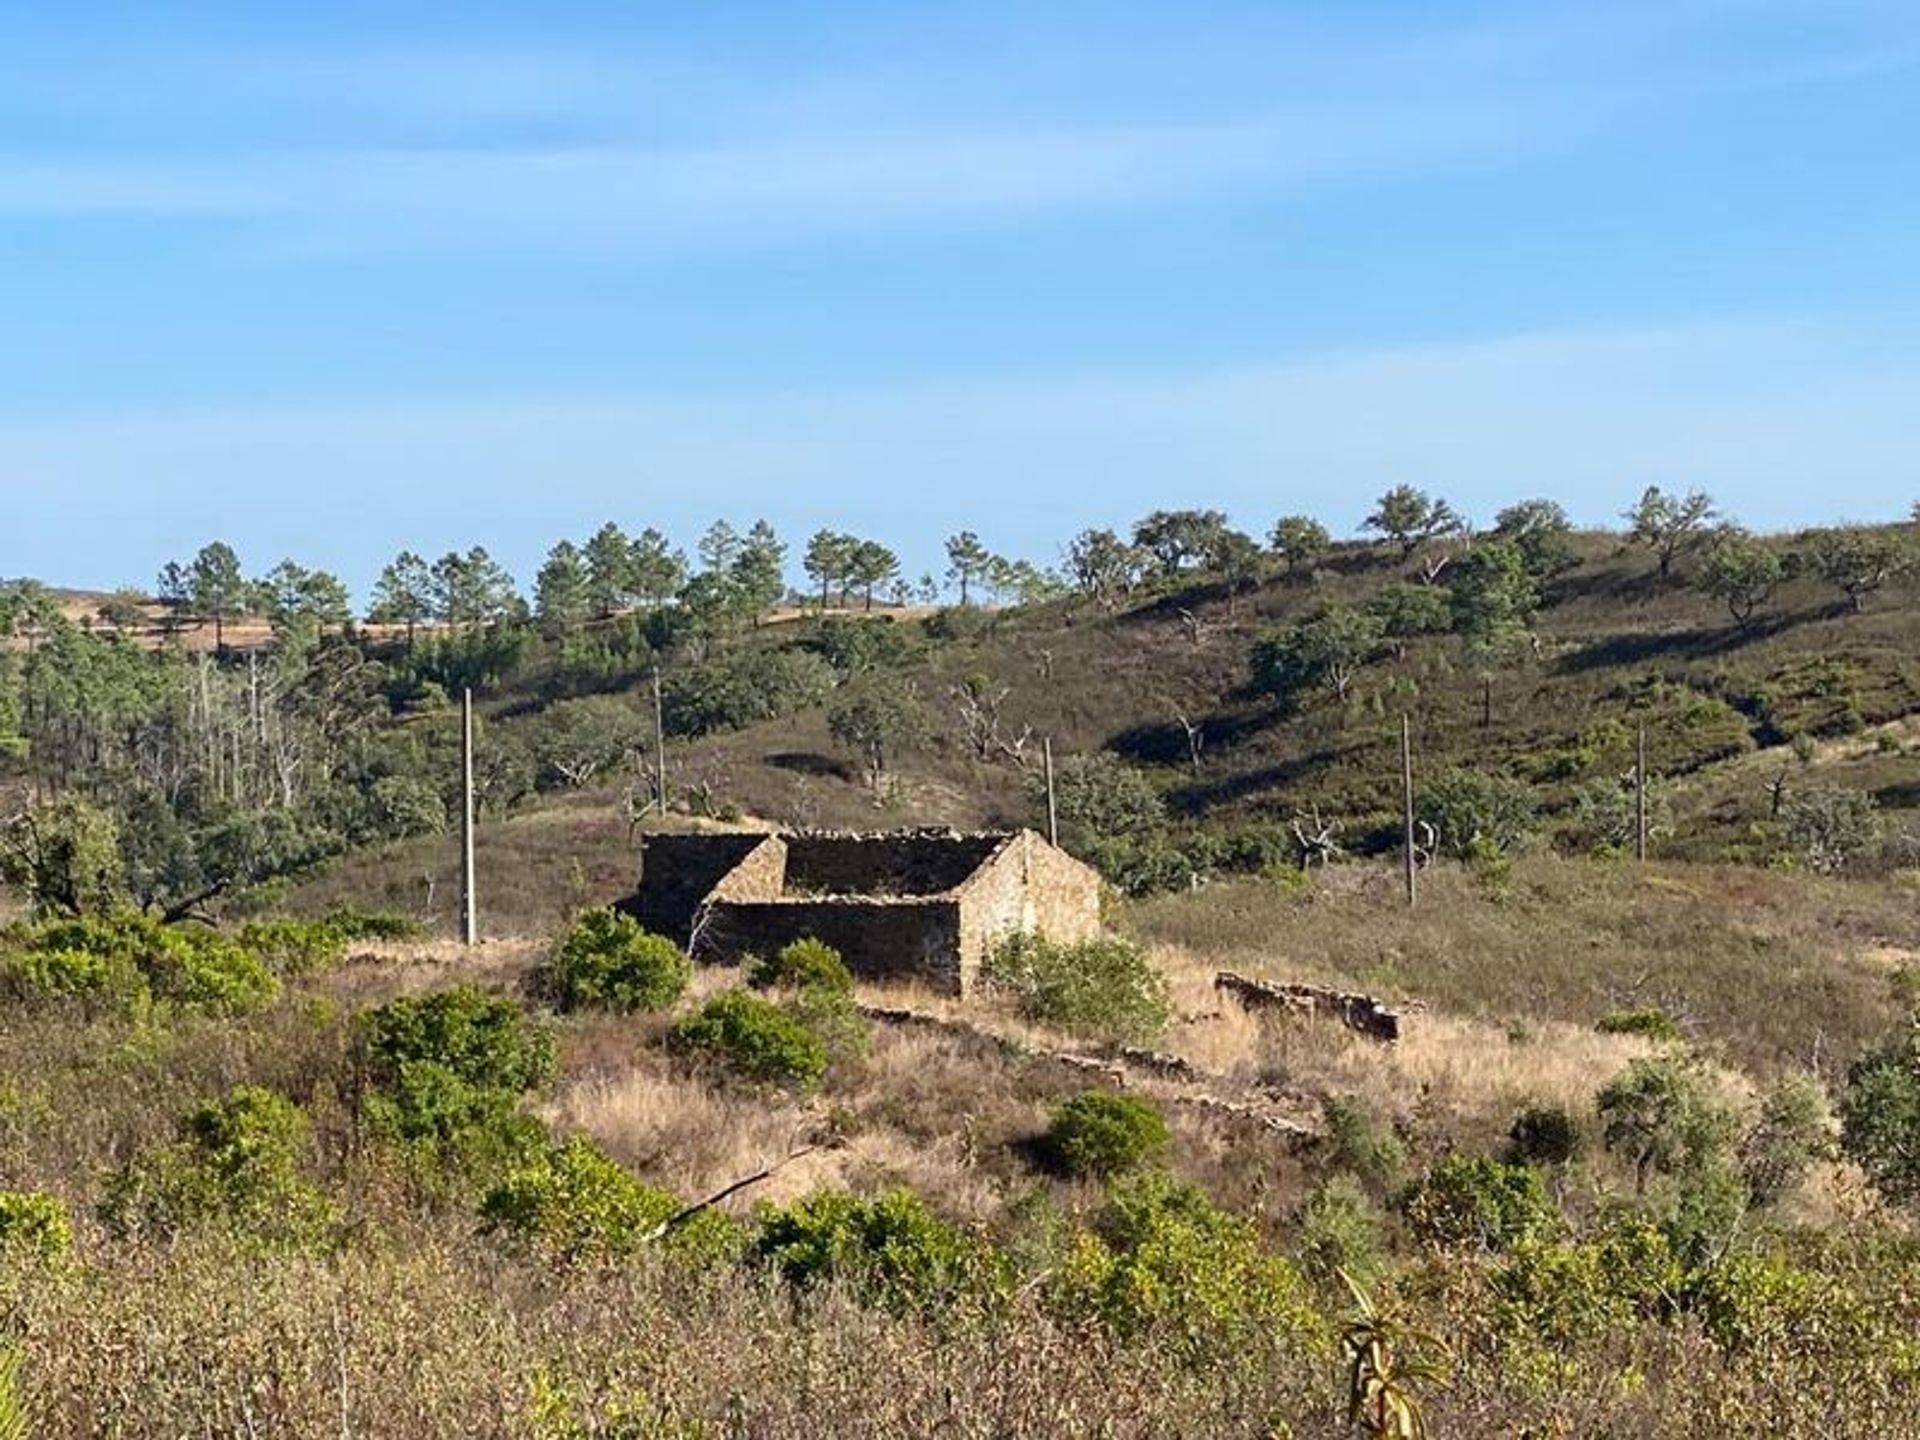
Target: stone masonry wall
[[909, 863], [1026, 885], [883, 940]]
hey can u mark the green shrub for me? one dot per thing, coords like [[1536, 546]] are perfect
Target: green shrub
[[1101, 1134], [445, 1074], [236, 1163], [354, 924], [817, 990], [33, 1225], [484, 1040], [1880, 1117], [294, 947], [1339, 1231], [1359, 1144], [804, 965], [47, 972], [1793, 1131], [1479, 817], [755, 1038], [1745, 1301], [572, 1203], [890, 1250], [125, 960], [1652, 1024], [1106, 987], [1160, 1260], [1477, 1201], [1666, 1115], [607, 962], [1545, 1134]]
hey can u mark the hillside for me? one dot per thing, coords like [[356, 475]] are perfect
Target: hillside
[[1808, 695], [288, 1156]]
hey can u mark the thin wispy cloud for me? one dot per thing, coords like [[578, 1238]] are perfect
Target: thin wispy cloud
[[550, 150], [1748, 410]]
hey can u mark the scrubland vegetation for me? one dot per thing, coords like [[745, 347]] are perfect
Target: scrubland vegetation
[[275, 1159]]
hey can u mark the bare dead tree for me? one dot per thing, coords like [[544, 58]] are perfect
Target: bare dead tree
[[1317, 839], [1426, 844], [1777, 793], [1196, 738], [979, 701]]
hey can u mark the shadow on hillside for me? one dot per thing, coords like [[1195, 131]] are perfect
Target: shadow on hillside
[[1629, 647], [1165, 742], [1201, 795], [809, 762]]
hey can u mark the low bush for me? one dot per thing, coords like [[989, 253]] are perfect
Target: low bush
[[1652, 1024], [1792, 1133], [1339, 1231], [1359, 1144], [127, 960], [1880, 1117], [236, 1163], [353, 924], [1161, 1261], [294, 947], [1099, 1134], [445, 1073], [816, 988], [572, 1203], [755, 1038], [804, 965], [891, 1250], [33, 1226], [608, 962], [1106, 987], [1545, 1134], [1471, 1200]]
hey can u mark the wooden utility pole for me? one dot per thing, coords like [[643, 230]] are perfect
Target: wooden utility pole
[[469, 903], [1406, 806], [1640, 798], [1053, 811], [659, 742]]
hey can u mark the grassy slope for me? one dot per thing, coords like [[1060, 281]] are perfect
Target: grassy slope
[[1617, 645]]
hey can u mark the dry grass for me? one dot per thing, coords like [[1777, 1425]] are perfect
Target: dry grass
[[1776, 969]]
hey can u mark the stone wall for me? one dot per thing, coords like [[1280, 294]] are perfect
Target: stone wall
[[679, 872], [893, 940], [1025, 885], [913, 862]]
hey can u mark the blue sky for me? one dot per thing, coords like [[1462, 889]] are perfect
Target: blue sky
[[329, 280]]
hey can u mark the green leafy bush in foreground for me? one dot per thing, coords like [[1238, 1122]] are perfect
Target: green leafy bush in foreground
[[1101, 1134], [289, 946], [755, 1038], [1880, 1117], [608, 962], [445, 1074], [816, 988], [129, 960], [237, 1164], [806, 964], [891, 1250], [1105, 987], [575, 1204], [1161, 1260], [1475, 1201]]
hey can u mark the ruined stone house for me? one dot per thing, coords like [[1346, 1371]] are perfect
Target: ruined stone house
[[921, 905]]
